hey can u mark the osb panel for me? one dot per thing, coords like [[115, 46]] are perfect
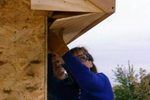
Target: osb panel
[[22, 47]]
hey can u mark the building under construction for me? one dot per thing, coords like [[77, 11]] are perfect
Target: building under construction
[[30, 29]]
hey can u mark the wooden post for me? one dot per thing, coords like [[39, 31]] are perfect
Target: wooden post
[[56, 43]]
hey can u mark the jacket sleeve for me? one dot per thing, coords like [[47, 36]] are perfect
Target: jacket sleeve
[[84, 77]]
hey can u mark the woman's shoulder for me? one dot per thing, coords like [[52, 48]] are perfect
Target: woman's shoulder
[[102, 75]]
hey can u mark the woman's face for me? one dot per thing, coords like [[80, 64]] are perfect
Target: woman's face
[[59, 72], [58, 69], [83, 58]]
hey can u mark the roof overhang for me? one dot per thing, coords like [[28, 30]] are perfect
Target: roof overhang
[[72, 18]]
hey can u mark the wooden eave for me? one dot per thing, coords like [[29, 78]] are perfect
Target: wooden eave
[[72, 18]]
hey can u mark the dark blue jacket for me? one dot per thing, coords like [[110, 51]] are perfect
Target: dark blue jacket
[[62, 90], [93, 86]]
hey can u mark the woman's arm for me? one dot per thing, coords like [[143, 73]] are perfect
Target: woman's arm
[[85, 78]]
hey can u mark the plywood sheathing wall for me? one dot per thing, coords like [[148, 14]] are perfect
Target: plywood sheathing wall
[[22, 47]]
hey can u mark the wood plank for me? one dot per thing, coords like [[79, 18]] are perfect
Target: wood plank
[[72, 26], [90, 26], [59, 15], [106, 5], [64, 5], [56, 43]]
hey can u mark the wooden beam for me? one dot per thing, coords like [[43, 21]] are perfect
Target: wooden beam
[[107, 6], [90, 26], [56, 43], [71, 26], [64, 5], [59, 15]]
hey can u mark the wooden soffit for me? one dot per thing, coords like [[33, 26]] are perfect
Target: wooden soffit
[[72, 18]]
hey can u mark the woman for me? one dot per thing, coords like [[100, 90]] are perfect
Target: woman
[[93, 86], [60, 84]]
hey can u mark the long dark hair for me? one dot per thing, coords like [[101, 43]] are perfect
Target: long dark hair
[[90, 58]]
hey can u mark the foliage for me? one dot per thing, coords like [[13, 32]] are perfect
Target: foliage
[[131, 86]]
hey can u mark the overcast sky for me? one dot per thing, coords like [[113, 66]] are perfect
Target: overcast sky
[[123, 36]]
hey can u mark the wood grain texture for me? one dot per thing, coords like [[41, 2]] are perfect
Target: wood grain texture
[[64, 5], [74, 17], [56, 43], [72, 26], [107, 6]]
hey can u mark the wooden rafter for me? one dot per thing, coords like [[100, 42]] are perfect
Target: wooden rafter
[[107, 6], [72, 18], [64, 5]]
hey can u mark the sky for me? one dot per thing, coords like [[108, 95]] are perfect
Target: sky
[[122, 37]]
